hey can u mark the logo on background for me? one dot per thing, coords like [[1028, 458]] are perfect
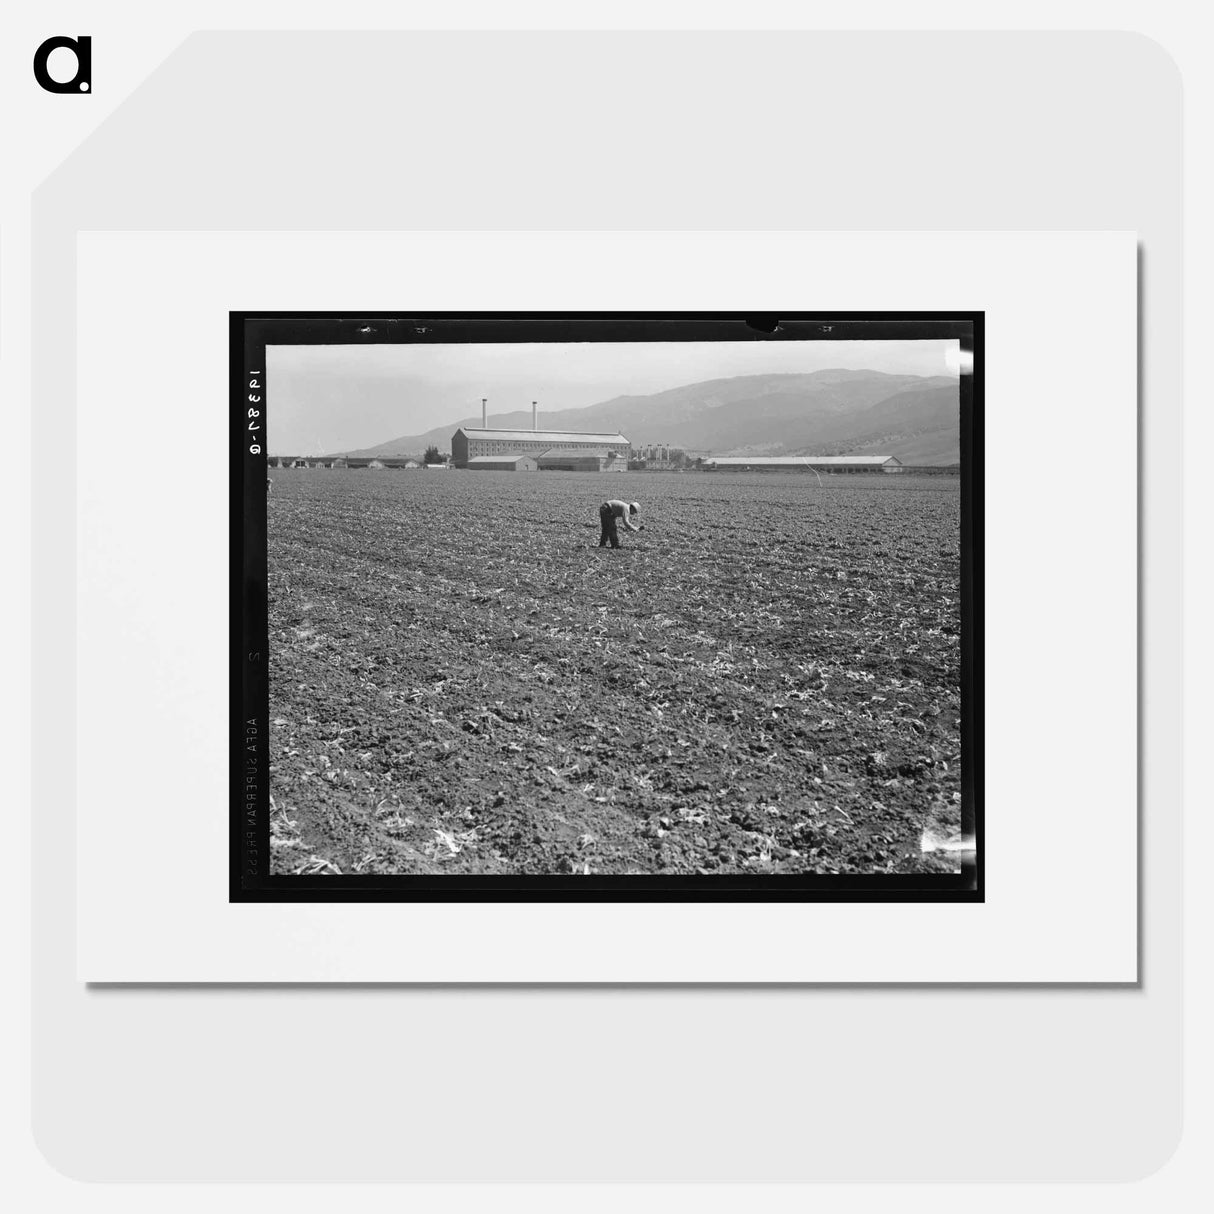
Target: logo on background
[[82, 81]]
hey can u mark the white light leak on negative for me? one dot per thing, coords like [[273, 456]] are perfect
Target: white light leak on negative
[[957, 360], [934, 842]]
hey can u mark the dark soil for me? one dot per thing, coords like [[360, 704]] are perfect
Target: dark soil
[[765, 680]]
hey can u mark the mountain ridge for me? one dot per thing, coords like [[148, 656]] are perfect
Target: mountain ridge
[[834, 411]]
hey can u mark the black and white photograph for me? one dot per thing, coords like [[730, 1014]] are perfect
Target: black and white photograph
[[607, 606]]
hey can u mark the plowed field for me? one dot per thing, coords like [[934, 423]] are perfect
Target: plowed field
[[766, 679]]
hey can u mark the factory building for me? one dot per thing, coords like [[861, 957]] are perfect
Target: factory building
[[472, 444], [660, 455], [804, 463], [480, 442]]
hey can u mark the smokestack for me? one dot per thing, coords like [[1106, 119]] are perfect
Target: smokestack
[[535, 417], [484, 413]]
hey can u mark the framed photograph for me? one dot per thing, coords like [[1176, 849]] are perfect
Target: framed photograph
[[606, 607]]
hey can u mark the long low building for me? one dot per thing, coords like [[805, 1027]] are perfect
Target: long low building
[[804, 463], [503, 463], [345, 461], [477, 442], [582, 459], [555, 459]]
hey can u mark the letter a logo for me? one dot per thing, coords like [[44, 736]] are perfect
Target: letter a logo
[[82, 81]]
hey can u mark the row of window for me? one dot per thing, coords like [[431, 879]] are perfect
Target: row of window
[[498, 448]]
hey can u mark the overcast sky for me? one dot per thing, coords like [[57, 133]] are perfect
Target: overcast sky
[[341, 398]]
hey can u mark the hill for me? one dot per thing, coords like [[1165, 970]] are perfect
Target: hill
[[833, 412]]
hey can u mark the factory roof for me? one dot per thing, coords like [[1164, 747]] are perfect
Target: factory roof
[[576, 453], [505, 458], [539, 436]]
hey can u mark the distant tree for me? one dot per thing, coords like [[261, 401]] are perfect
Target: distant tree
[[636, 465], [678, 458], [434, 456]]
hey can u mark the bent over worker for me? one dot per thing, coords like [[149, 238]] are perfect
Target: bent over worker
[[609, 512]]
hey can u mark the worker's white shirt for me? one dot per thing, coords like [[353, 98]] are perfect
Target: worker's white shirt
[[620, 510]]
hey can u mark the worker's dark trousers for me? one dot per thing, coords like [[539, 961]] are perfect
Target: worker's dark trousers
[[608, 532]]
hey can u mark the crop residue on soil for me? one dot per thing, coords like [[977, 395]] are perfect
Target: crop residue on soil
[[766, 680]]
